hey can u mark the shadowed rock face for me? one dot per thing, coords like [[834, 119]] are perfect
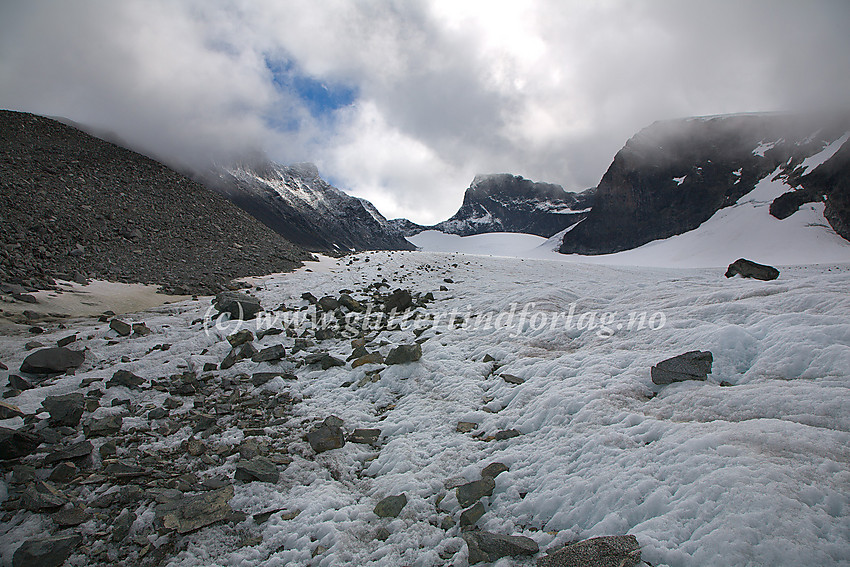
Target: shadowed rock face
[[298, 204], [509, 203], [674, 175]]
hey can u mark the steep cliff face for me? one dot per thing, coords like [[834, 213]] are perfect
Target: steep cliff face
[[674, 175], [509, 203], [301, 206]]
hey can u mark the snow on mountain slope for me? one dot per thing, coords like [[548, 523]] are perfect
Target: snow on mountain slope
[[297, 203], [743, 230], [753, 473]]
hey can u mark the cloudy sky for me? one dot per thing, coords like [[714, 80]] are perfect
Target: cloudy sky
[[404, 102]]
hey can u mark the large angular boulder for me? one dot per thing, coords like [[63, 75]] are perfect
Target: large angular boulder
[[237, 305], [54, 360], [66, 409], [606, 551], [49, 551], [490, 547], [748, 269], [694, 365], [327, 436], [258, 468], [15, 443], [391, 506], [471, 492], [193, 512], [403, 354], [398, 301]]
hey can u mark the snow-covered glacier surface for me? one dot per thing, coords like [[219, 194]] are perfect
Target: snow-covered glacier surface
[[755, 471]]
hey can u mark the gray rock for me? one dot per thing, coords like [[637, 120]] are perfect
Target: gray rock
[[471, 492], [103, 427], [237, 305], [236, 354], [391, 506], [607, 551], [80, 450], [325, 360], [749, 269], [471, 515], [694, 365], [15, 443], [66, 409], [398, 301], [41, 495], [240, 337], [260, 378], [46, 551], [65, 341], [123, 470], [506, 434], [8, 411], [127, 379], [270, 354], [511, 379], [326, 437], [122, 524], [465, 426], [193, 512], [71, 516], [490, 547], [366, 436], [53, 360], [141, 330], [258, 468], [158, 413], [350, 303], [403, 354], [493, 470], [370, 358], [63, 472], [19, 383], [328, 303], [120, 327]]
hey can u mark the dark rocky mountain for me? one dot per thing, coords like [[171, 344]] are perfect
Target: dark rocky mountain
[[303, 208], [75, 206], [674, 175], [509, 203]]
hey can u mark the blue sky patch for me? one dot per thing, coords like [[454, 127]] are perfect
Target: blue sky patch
[[320, 98]]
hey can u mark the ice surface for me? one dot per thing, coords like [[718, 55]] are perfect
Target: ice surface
[[755, 473]]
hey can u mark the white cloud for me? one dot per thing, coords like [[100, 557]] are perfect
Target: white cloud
[[548, 89]]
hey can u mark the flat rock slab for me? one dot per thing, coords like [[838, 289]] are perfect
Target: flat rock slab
[[694, 365], [365, 436], [46, 551], [325, 438], [391, 506], [258, 468], [490, 547], [270, 354], [404, 353], [471, 492], [109, 425], [194, 512], [607, 551], [749, 269], [53, 360], [125, 378], [66, 409], [15, 444], [237, 305]]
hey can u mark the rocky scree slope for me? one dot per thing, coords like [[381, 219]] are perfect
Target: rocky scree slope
[[674, 175], [73, 206], [302, 207], [509, 203]]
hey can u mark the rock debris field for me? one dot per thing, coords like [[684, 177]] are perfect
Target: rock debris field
[[429, 409]]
